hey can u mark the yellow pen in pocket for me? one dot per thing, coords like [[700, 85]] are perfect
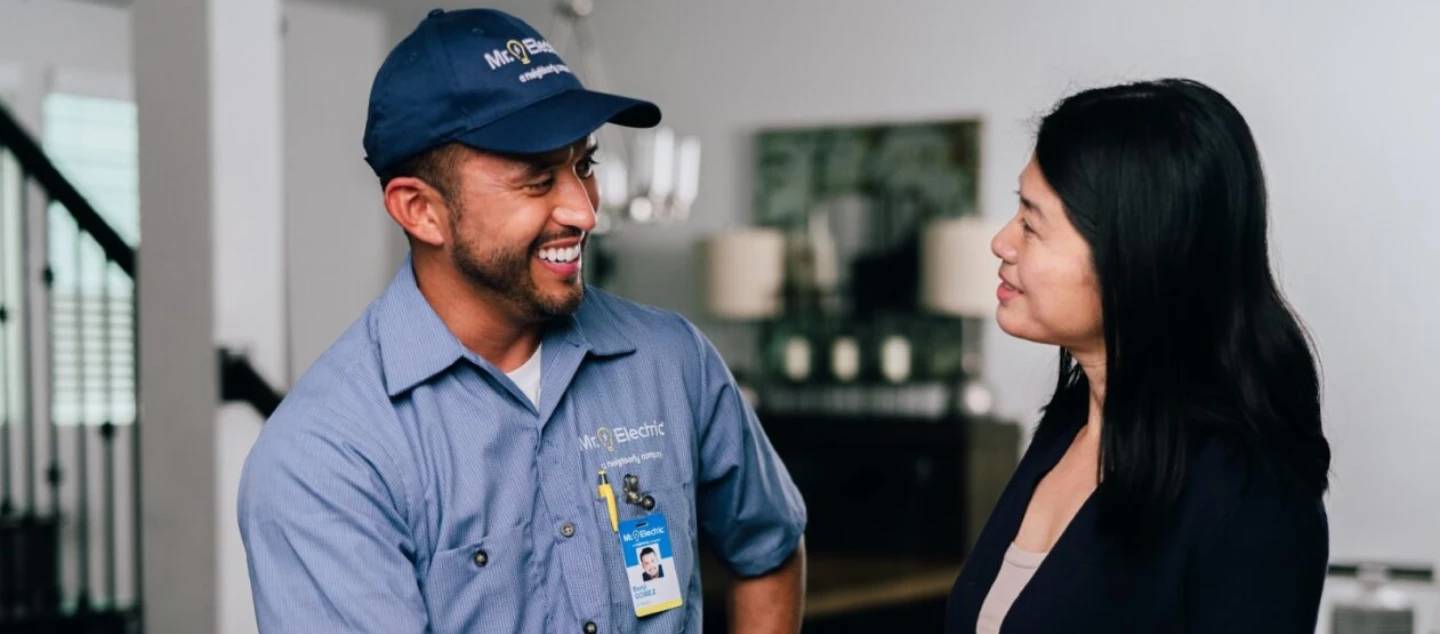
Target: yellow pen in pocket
[[607, 493]]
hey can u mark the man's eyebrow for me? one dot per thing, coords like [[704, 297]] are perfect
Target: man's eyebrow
[[536, 165]]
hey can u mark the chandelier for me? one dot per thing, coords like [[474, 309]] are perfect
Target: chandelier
[[645, 176]]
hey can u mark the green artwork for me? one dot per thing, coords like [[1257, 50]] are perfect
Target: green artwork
[[918, 170], [852, 201]]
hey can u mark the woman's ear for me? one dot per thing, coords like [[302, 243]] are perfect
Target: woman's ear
[[418, 208]]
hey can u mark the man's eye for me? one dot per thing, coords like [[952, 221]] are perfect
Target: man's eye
[[541, 185], [585, 168]]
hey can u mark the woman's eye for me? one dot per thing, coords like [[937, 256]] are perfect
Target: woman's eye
[[1025, 226]]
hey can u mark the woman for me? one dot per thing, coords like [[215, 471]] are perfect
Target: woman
[[1175, 481]]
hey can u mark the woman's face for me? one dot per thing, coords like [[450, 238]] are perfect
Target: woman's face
[[1048, 292]]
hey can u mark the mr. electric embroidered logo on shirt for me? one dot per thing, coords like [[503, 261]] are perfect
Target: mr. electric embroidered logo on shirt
[[608, 437]]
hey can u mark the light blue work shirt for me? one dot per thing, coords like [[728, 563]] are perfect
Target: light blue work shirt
[[408, 485]]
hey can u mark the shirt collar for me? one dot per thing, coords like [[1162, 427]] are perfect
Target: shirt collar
[[415, 344], [596, 326]]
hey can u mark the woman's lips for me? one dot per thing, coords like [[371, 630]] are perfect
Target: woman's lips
[[1005, 292]]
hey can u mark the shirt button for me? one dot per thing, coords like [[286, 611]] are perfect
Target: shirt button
[[480, 558], [567, 530], [591, 627]]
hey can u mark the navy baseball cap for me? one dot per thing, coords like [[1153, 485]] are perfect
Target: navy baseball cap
[[488, 80]]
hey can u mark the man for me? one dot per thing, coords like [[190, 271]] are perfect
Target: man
[[650, 563], [436, 470]]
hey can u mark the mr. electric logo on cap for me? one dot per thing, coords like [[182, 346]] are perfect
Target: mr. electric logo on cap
[[518, 51]]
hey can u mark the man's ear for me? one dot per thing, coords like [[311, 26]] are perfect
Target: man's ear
[[418, 208]]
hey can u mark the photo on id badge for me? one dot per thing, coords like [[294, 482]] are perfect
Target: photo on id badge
[[650, 564]]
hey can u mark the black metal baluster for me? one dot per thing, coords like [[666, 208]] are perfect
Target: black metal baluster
[[107, 431], [53, 592], [38, 558], [27, 351], [82, 434], [7, 486], [52, 472], [9, 528], [136, 536]]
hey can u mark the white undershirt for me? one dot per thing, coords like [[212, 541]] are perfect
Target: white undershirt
[[527, 377], [1015, 572]]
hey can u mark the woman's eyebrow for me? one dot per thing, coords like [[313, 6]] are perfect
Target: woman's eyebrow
[[1029, 204]]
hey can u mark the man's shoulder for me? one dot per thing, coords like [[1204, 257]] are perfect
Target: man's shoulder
[[335, 431], [342, 391], [336, 416]]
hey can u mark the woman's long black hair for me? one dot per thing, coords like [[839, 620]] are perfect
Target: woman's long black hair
[[1164, 182]]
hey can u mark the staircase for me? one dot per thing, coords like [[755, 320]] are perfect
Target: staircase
[[69, 425]]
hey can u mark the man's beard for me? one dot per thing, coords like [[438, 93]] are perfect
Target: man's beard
[[506, 272]]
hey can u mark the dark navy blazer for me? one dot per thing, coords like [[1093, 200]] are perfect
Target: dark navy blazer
[[1241, 554]]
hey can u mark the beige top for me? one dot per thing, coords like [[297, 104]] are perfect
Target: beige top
[[1015, 572]]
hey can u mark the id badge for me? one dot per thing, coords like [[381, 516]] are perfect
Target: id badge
[[650, 564]]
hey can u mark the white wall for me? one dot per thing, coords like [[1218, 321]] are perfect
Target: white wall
[[178, 390], [342, 248], [97, 45], [248, 251], [1341, 98]]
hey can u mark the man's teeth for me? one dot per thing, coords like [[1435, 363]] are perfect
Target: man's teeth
[[560, 256]]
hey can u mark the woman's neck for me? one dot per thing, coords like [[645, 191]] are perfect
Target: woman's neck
[[1092, 363]]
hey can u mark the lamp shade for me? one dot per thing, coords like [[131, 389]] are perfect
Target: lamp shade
[[958, 273], [744, 273]]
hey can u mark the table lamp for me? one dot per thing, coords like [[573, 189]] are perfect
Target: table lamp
[[958, 276]]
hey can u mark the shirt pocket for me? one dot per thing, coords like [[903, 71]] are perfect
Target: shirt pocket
[[677, 503], [481, 586]]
